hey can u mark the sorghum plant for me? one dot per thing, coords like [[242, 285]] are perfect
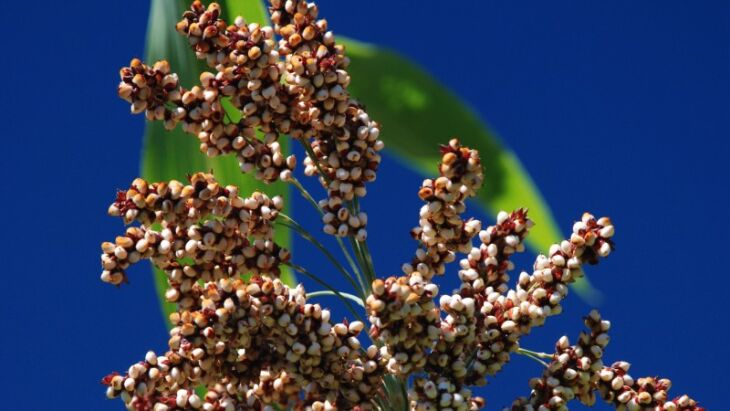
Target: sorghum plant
[[241, 339]]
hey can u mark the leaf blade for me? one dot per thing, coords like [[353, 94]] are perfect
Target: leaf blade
[[253, 11]]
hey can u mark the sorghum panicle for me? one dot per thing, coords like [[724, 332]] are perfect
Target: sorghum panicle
[[222, 233], [578, 372], [484, 320], [254, 343], [573, 372], [488, 265], [505, 317], [313, 105], [344, 140], [200, 110], [403, 314]]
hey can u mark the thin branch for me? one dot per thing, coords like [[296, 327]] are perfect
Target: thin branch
[[404, 392], [351, 297], [528, 354], [310, 153], [357, 251], [355, 268], [363, 245], [293, 225], [368, 257], [306, 194], [535, 353], [391, 391], [362, 259], [324, 284]]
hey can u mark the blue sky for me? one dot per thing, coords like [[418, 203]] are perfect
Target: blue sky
[[621, 108]]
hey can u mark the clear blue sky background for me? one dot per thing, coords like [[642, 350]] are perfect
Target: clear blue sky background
[[633, 96]]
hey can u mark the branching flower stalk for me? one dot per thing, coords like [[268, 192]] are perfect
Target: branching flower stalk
[[241, 339]]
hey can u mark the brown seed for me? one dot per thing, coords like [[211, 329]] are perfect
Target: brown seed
[[108, 247], [295, 39], [254, 53], [124, 242], [412, 298], [644, 397], [449, 158], [378, 287], [425, 193], [308, 33]]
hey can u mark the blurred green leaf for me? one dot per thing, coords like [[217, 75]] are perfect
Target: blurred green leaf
[[418, 114], [174, 154], [253, 11]]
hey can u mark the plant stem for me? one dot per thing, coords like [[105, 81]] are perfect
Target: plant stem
[[363, 245], [358, 255], [324, 284], [404, 392], [355, 268], [310, 153], [306, 194], [293, 225], [533, 355], [393, 387], [351, 297], [396, 392], [364, 260]]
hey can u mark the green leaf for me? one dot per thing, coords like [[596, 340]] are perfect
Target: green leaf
[[253, 11], [175, 154], [418, 114]]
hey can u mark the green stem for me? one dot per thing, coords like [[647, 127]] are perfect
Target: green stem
[[368, 257], [355, 268], [535, 353], [361, 260], [365, 262], [404, 393], [324, 284], [396, 393], [390, 391], [360, 256], [532, 355], [310, 153], [293, 225], [363, 245], [351, 297], [306, 194]]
